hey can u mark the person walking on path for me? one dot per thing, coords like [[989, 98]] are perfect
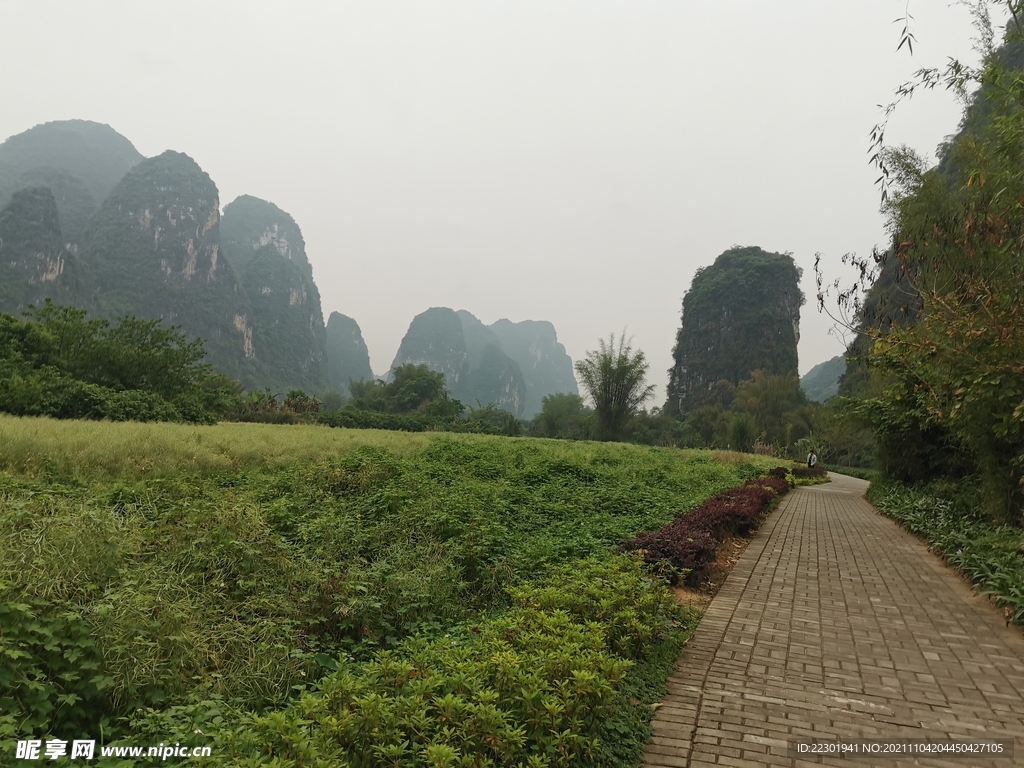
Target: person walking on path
[[812, 459]]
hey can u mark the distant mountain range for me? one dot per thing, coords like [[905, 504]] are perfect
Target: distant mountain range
[[86, 220], [511, 365], [822, 381]]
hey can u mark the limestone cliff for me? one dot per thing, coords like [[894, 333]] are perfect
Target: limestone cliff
[[509, 365], [153, 250], [496, 379], [478, 337], [435, 339], [741, 314], [34, 264], [347, 355], [266, 247], [542, 359]]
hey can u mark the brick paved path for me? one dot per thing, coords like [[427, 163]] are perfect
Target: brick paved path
[[837, 623]]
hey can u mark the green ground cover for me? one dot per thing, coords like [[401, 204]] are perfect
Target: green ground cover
[[209, 577]]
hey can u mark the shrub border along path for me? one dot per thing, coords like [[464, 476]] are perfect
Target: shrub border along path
[[837, 623]]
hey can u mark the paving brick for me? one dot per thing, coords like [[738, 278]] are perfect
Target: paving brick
[[837, 623]]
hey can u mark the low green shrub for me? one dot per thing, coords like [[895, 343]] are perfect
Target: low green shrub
[[990, 556], [534, 686], [808, 472], [353, 418], [50, 675]]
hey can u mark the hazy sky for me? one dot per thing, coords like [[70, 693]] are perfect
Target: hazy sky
[[568, 161]]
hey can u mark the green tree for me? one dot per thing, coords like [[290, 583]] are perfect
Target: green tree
[[710, 423], [841, 435], [368, 394], [742, 432], [777, 406], [58, 363], [413, 386], [332, 401], [956, 374], [412, 389], [562, 415], [133, 354], [615, 377]]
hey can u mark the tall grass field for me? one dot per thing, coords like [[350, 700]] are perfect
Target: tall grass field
[[301, 595]]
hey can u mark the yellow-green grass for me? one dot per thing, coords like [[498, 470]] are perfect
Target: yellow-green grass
[[91, 450]]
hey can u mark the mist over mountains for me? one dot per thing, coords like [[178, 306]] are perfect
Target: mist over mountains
[[86, 220], [510, 365]]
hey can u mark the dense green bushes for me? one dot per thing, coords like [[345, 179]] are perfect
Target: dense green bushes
[[534, 686], [223, 586], [416, 400], [57, 363], [50, 675], [353, 418], [990, 556]]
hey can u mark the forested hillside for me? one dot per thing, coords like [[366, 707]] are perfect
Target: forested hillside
[[937, 372], [153, 251], [88, 222], [741, 314], [822, 381], [78, 160]]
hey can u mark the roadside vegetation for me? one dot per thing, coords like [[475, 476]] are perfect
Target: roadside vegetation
[[686, 547], [937, 370], [258, 582], [57, 362], [935, 375]]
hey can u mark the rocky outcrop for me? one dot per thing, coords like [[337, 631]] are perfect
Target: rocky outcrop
[[478, 337], [78, 160], [498, 381], [34, 264], [347, 355], [149, 241], [509, 365], [435, 339], [741, 314], [266, 247], [496, 378], [75, 203], [251, 224], [542, 359], [153, 250]]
